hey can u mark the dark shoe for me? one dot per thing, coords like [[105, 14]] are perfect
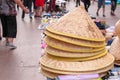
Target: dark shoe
[[112, 14], [37, 16], [22, 18], [104, 15], [97, 13], [30, 17], [0, 38]]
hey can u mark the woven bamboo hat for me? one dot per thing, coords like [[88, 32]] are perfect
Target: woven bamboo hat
[[54, 75], [75, 59], [69, 47], [102, 70], [117, 28], [115, 48], [75, 41], [77, 24], [60, 53], [117, 62], [51, 63]]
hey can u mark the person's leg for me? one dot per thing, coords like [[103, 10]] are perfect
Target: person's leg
[[99, 6], [112, 6], [103, 8], [0, 35], [104, 12], [40, 10], [79, 2], [12, 31], [76, 3], [23, 13], [9, 25], [4, 25], [30, 8], [89, 3], [85, 5], [35, 9]]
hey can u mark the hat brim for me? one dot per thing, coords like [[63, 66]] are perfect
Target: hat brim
[[59, 53], [74, 59], [79, 42], [105, 69], [54, 75], [69, 47], [90, 65]]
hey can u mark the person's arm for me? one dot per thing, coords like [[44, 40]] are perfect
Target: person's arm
[[18, 2]]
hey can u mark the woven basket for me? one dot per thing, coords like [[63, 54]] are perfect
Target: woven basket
[[77, 66], [75, 41], [59, 53], [69, 47], [77, 24], [115, 48]]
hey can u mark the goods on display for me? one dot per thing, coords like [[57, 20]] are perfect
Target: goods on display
[[75, 46]]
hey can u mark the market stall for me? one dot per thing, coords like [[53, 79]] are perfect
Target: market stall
[[75, 46]]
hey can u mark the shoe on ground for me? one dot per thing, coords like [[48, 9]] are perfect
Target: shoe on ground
[[0, 38], [11, 46], [104, 15], [97, 13], [30, 17], [112, 13]]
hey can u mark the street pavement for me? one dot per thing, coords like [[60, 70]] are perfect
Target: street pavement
[[23, 62]]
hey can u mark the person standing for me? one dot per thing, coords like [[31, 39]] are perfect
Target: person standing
[[113, 7], [101, 3], [8, 20], [87, 4], [39, 4], [28, 4]]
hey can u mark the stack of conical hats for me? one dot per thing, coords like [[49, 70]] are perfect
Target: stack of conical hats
[[75, 46], [115, 46]]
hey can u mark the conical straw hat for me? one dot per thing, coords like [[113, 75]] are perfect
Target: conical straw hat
[[115, 48], [117, 28], [54, 75], [77, 72], [75, 41], [77, 24], [78, 58], [117, 62], [59, 53], [91, 65], [69, 47]]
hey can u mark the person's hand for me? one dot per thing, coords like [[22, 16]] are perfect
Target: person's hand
[[26, 10]]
